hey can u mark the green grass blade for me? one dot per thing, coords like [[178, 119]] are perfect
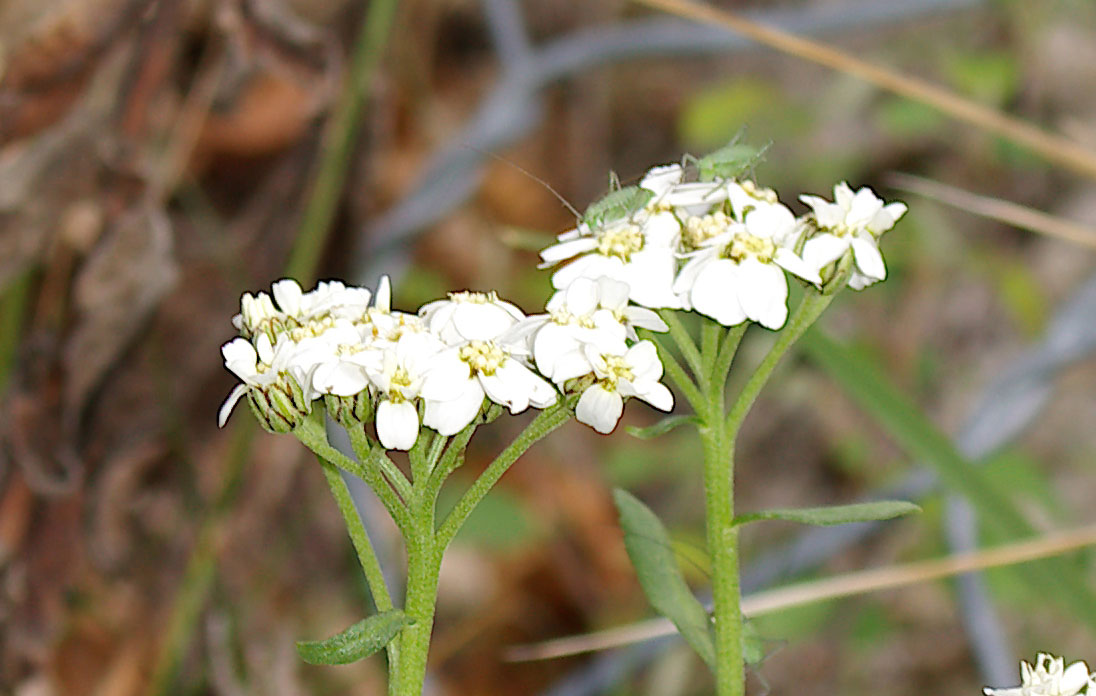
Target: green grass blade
[[866, 384]]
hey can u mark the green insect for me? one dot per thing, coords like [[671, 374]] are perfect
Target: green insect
[[728, 162], [618, 203]]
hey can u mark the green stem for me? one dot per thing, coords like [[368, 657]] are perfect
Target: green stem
[[311, 432], [354, 527], [367, 557], [722, 536], [423, 565], [373, 454], [683, 340], [546, 421], [679, 377], [451, 459], [728, 350], [338, 142], [808, 311]]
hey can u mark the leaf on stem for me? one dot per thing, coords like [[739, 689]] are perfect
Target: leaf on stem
[[360, 640], [660, 577], [660, 428], [838, 514]]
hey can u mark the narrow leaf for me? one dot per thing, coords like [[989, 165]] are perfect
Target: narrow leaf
[[660, 428], [866, 384], [660, 577], [838, 514], [360, 640]]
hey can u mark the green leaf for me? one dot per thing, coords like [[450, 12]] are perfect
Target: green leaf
[[868, 386], [660, 577], [660, 428], [616, 204], [837, 514], [360, 640]]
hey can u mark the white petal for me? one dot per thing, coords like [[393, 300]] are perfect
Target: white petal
[[340, 378], [565, 250], [397, 424], [643, 318], [588, 266], [288, 295], [226, 408], [509, 386], [581, 296], [383, 299], [786, 259], [660, 180], [868, 259], [864, 207], [654, 393], [451, 417], [822, 250], [612, 294], [715, 293], [763, 293], [481, 321], [1074, 678], [600, 409], [770, 221], [650, 277]]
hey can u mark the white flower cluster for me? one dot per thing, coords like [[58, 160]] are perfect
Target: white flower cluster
[[437, 367], [721, 246], [1049, 676]]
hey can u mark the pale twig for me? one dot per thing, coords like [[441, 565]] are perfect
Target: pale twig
[[1007, 212], [1053, 147], [800, 594]]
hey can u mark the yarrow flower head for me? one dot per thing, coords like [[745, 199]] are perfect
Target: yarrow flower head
[[1049, 676], [855, 220], [719, 245]]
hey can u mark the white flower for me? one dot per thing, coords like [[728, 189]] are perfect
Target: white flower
[[635, 373], [398, 379], [468, 316], [261, 365], [256, 313], [637, 250], [1049, 677], [856, 220], [588, 312], [461, 376], [340, 358], [737, 274]]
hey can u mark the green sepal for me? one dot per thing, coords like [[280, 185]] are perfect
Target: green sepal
[[660, 428], [359, 641], [648, 547], [838, 514]]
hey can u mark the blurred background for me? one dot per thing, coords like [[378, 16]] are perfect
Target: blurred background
[[160, 157]]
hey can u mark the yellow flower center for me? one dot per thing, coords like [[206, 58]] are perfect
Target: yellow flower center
[[621, 241], [401, 380], [746, 245], [616, 369], [565, 318], [475, 297], [699, 229], [484, 357]]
